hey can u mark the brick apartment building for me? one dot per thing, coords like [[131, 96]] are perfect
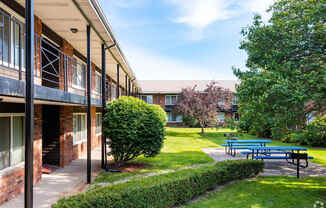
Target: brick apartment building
[[165, 93], [60, 77]]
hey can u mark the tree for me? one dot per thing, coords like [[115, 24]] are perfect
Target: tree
[[287, 67], [203, 105]]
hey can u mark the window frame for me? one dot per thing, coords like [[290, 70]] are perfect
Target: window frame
[[11, 142], [96, 124], [146, 100], [174, 117], [75, 141], [14, 20], [171, 99], [99, 82], [77, 63]]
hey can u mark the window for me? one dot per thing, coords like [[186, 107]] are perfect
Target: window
[[172, 117], [235, 101], [113, 91], [12, 41], [98, 123], [12, 140], [171, 99], [147, 98], [98, 83], [221, 102], [221, 117], [80, 130], [79, 76]]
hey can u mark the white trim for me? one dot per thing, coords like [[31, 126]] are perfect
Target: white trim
[[78, 87], [11, 166], [11, 12], [11, 114], [73, 139], [9, 170], [98, 134], [94, 90], [176, 99]]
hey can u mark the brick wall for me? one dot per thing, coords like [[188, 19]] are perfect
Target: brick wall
[[159, 100], [66, 135], [37, 56], [12, 181], [68, 150]]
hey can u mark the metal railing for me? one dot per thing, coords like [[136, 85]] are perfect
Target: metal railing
[[52, 67]]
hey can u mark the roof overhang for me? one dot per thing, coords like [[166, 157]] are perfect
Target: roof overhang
[[62, 15]]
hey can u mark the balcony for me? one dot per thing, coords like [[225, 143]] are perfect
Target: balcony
[[57, 76]]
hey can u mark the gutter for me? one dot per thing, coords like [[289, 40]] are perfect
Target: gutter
[[96, 6]]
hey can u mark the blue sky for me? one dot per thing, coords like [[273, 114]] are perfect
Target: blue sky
[[182, 39]]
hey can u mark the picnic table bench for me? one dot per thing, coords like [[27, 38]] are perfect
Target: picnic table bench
[[291, 154], [232, 145]]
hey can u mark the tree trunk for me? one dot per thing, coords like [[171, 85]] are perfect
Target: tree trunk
[[202, 130]]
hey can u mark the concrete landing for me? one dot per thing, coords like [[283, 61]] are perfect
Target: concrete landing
[[62, 182]]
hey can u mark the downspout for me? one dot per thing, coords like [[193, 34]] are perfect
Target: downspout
[[98, 34]]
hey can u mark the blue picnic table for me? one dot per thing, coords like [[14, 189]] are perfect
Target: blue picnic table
[[291, 154], [232, 145], [268, 151]]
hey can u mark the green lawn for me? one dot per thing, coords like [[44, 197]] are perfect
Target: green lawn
[[183, 148], [267, 192]]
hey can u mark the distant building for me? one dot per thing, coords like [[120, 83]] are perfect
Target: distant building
[[165, 93]]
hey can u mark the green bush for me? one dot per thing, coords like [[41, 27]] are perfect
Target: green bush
[[133, 128], [160, 112], [190, 121], [164, 191], [315, 132]]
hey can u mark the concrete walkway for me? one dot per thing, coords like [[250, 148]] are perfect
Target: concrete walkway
[[272, 167], [62, 182]]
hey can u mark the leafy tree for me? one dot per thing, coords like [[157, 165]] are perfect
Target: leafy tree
[[134, 128], [287, 67], [203, 105]]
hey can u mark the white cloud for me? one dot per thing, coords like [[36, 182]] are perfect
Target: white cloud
[[259, 7], [150, 66], [198, 14]]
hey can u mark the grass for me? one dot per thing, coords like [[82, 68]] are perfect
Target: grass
[[183, 148], [267, 192]]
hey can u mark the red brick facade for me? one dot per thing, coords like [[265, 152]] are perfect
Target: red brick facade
[[12, 181]]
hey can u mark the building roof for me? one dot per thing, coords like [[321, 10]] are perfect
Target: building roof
[[175, 86]]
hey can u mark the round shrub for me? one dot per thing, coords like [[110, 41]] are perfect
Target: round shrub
[[133, 129], [160, 112]]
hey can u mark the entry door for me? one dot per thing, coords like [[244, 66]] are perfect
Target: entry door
[[51, 135]]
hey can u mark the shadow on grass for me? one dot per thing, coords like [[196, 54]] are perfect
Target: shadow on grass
[[163, 161]]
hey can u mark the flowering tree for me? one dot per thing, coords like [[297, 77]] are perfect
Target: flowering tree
[[203, 105]]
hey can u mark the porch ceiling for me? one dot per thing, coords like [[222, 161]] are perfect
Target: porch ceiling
[[62, 15]]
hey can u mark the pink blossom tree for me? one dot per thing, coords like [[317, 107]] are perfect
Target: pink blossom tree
[[203, 105]]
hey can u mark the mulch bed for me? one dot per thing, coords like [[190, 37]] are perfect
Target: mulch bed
[[129, 167]]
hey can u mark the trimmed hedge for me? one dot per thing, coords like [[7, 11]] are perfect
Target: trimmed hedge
[[164, 191]]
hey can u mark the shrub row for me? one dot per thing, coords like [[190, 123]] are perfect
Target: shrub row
[[163, 191]]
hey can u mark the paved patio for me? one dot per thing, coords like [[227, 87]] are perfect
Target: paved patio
[[272, 167], [62, 182]]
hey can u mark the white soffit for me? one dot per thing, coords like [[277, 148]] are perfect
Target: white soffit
[[62, 15]]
